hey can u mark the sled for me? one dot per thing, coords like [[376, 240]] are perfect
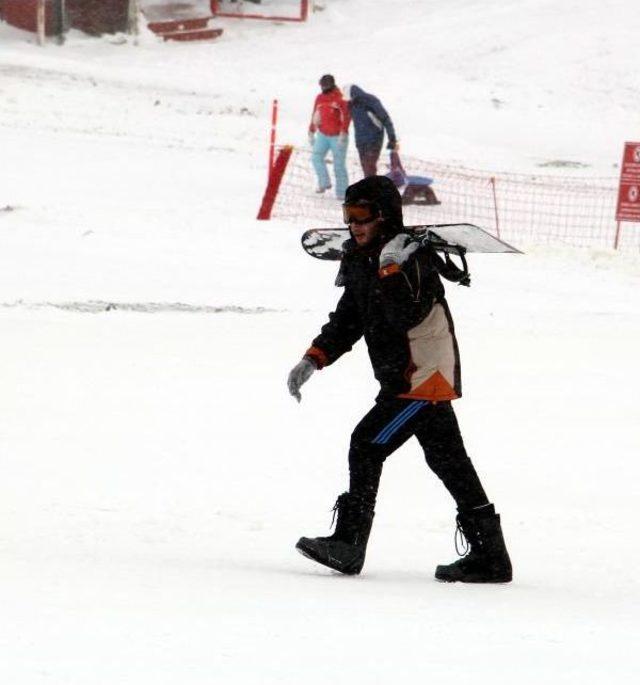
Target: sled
[[416, 190]]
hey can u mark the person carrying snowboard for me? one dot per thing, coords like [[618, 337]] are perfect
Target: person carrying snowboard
[[394, 298]]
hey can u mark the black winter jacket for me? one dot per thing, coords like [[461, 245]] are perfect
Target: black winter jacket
[[404, 318]]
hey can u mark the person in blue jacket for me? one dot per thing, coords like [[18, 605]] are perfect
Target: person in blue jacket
[[370, 121]]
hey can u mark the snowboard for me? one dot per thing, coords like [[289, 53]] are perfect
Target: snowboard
[[326, 243]]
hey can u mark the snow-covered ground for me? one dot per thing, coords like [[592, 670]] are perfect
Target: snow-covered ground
[[154, 472]]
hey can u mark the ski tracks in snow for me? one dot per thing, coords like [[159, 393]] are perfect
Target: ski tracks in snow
[[100, 306]]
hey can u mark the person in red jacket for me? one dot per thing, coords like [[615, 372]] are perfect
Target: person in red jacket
[[329, 130]]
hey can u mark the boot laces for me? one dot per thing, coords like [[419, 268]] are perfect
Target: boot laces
[[460, 540], [336, 509]]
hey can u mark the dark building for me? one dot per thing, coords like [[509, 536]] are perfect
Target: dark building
[[91, 16]]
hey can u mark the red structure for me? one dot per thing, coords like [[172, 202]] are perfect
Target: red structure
[[22, 14], [98, 16], [181, 21], [91, 16], [628, 206]]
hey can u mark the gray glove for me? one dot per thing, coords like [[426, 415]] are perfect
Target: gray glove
[[312, 139], [398, 250], [299, 375]]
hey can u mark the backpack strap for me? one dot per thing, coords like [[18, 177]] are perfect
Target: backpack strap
[[446, 267]]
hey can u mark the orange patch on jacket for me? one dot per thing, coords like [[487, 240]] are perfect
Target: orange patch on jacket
[[436, 388]]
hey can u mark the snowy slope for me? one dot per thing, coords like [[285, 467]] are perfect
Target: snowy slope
[[155, 473], [497, 85]]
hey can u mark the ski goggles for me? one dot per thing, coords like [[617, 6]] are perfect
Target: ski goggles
[[360, 213]]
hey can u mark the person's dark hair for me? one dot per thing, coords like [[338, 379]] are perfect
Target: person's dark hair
[[327, 83], [381, 191]]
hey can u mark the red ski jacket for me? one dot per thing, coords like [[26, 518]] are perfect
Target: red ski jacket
[[330, 114]]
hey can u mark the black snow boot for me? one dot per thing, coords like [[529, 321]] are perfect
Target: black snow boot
[[343, 551], [487, 560]]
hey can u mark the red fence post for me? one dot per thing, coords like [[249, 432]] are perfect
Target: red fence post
[[273, 186], [272, 141]]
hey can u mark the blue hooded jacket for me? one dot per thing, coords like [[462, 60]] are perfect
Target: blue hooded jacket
[[370, 118]]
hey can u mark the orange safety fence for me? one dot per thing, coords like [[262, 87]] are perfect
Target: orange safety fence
[[523, 209]]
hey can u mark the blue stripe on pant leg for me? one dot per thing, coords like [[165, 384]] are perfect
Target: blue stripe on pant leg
[[386, 433], [390, 430], [393, 426], [394, 421]]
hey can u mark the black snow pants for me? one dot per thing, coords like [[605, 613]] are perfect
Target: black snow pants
[[389, 425]]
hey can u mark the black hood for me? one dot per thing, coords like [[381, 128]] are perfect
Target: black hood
[[383, 192]]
